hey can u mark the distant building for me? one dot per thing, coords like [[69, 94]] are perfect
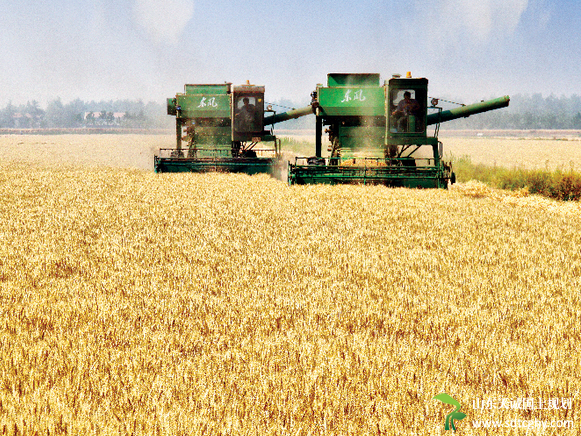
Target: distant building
[[25, 120], [109, 118]]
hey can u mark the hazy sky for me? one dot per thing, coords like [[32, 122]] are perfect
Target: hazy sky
[[148, 49]]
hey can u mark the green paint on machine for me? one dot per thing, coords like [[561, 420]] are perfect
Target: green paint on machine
[[377, 133]]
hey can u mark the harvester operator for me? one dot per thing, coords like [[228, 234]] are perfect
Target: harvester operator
[[406, 107], [247, 116]]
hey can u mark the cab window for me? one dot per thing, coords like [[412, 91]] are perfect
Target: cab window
[[407, 114], [247, 114]]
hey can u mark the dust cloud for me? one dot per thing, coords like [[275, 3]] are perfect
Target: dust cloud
[[163, 20], [481, 19]]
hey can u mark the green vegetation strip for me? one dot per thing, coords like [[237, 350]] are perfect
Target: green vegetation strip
[[297, 146], [557, 184]]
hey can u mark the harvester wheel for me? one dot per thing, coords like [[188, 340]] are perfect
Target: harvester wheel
[[316, 160], [249, 153], [390, 151], [236, 147], [193, 150], [335, 149]]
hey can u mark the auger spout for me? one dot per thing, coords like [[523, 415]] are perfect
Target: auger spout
[[466, 111], [284, 116]]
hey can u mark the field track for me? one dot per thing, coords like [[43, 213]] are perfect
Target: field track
[[142, 303]]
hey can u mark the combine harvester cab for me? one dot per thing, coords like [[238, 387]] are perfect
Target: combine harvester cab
[[220, 128], [378, 134]]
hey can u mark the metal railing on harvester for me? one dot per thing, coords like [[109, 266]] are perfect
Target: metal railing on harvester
[[408, 172]]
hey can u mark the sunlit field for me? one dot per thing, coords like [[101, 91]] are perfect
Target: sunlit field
[[206, 304], [114, 151], [136, 151], [549, 152]]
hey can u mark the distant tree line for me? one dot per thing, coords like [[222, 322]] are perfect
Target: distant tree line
[[524, 112], [527, 112], [78, 114]]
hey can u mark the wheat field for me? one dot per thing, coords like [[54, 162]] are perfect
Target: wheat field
[[220, 304], [548, 152]]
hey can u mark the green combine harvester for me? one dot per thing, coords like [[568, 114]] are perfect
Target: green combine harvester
[[378, 134], [221, 127]]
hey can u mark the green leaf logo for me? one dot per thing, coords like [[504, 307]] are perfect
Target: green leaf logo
[[455, 414]]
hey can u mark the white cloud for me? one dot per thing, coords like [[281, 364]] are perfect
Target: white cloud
[[164, 20], [483, 18], [459, 22]]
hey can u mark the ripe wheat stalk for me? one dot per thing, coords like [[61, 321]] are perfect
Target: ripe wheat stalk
[[141, 303]]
